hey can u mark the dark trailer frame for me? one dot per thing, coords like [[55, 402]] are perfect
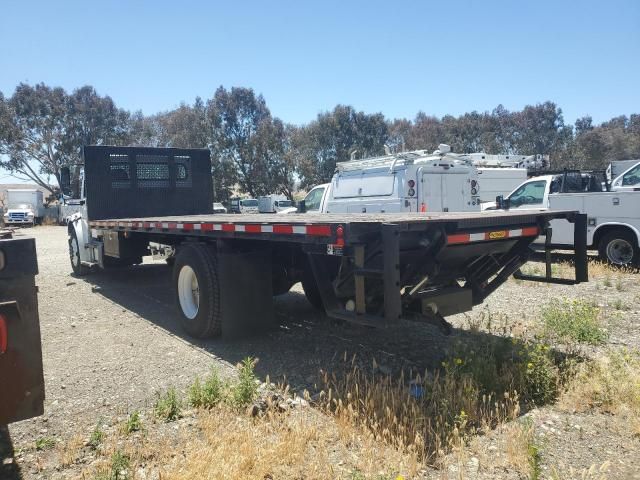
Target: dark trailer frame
[[373, 269]]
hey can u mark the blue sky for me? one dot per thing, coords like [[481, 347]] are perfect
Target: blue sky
[[305, 57]]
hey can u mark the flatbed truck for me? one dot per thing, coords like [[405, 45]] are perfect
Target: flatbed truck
[[371, 269]]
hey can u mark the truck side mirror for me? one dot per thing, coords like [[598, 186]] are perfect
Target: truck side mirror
[[302, 207], [502, 203], [65, 180]]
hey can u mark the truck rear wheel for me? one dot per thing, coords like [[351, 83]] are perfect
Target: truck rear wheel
[[197, 290], [620, 248], [74, 255]]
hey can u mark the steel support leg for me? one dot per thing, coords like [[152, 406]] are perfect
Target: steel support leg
[[391, 256]]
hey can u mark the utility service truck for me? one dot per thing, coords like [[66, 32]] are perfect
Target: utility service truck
[[613, 218], [25, 206], [370, 268], [21, 376], [416, 181]]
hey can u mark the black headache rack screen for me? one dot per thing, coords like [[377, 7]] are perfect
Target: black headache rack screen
[[130, 182]]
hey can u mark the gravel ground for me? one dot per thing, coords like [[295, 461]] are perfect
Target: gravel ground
[[111, 340]]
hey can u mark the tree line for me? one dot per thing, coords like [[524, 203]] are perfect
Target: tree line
[[43, 128]]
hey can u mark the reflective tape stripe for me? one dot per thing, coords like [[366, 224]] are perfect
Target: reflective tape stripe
[[280, 228], [492, 235]]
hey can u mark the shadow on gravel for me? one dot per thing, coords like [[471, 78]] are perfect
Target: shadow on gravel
[[9, 468], [304, 342]]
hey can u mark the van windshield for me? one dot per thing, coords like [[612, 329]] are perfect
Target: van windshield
[[284, 203], [249, 203]]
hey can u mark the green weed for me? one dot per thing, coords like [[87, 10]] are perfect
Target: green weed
[[97, 435], [207, 394], [570, 321], [168, 406], [245, 390], [134, 423], [45, 443]]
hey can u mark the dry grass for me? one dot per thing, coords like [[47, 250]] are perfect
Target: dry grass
[[476, 390], [610, 383], [225, 444], [71, 450]]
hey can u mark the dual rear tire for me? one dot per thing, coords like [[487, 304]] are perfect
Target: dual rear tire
[[197, 290]]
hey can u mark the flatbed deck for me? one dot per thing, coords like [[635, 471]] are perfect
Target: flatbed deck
[[315, 227], [335, 218]]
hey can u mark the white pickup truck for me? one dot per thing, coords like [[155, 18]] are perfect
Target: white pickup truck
[[613, 218]]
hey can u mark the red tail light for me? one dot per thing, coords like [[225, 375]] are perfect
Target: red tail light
[[4, 335]]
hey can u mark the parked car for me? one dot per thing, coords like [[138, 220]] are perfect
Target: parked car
[[219, 208]]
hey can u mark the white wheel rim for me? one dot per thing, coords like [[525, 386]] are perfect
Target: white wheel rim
[[620, 251], [75, 254], [188, 292]]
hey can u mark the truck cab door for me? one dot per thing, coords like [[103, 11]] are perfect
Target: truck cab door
[[314, 201]]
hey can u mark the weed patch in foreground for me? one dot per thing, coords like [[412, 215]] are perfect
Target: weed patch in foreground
[[207, 394], [97, 435], [45, 443], [610, 383], [478, 387], [246, 389], [574, 321], [133, 423], [168, 406]]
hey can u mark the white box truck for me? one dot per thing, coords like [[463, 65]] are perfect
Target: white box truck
[[24, 207], [273, 203]]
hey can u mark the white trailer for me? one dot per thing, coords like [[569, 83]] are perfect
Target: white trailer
[[613, 218], [24, 206]]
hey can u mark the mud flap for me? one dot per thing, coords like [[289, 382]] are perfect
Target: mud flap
[[245, 293]]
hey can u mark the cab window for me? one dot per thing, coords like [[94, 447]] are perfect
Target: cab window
[[313, 199], [632, 177], [531, 193]]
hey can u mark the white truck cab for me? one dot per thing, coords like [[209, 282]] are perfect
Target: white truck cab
[[613, 218], [243, 205], [628, 180]]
